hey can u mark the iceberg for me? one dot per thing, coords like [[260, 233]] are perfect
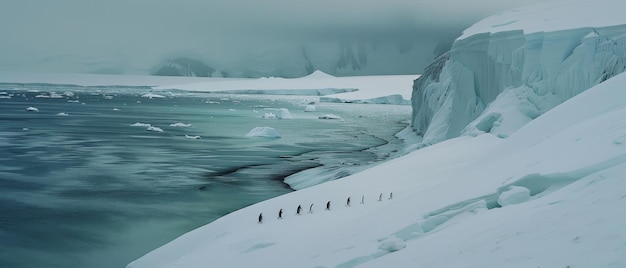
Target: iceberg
[[266, 132], [283, 113], [32, 109], [310, 108]]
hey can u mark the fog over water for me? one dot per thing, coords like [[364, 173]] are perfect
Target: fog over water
[[242, 36]]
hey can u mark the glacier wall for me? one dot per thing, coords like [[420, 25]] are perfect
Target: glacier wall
[[491, 79]]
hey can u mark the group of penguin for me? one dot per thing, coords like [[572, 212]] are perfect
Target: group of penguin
[[299, 209]]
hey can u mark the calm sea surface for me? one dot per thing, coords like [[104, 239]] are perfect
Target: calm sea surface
[[83, 185]]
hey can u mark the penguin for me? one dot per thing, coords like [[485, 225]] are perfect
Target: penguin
[[280, 213], [362, 200], [380, 197], [348, 202], [328, 205], [390, 195], [299, 209], [261, 218], [311, 208]]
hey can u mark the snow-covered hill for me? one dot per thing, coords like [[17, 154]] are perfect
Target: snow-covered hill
[[537, 56], [538, 182]]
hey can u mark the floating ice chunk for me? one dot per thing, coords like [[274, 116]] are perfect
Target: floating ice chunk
[[32, 109], [62, 114], [154, 129], [515, 195], [138, 124], [283, 113], [115, 109], [310, 108], [179, 124], [267, 132], [269, 115], [152, 95], [329, 116], [107, 97], [392, 244], [192, 137], [73, 101], [25, 129]]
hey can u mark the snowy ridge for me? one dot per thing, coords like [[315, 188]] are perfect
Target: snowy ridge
[[536, 70], [448, 213], [537, 181]]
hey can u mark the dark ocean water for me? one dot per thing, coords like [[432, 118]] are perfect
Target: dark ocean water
[[81, 187]]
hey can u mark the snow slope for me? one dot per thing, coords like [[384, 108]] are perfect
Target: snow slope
[[536, 182], [444, 211], [512, 67]]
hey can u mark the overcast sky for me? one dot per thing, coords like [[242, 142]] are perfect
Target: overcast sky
[[37, 34]]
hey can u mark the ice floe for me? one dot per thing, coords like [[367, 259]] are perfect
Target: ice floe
[[154, 129], [139, 124], [179, 124], [266, 132]]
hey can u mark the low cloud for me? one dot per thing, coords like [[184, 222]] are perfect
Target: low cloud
[[135, 34]]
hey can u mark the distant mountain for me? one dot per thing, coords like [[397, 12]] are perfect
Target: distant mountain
[[187, 67], [344, 59]]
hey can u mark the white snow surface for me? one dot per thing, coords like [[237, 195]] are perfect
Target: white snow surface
[[548, 17], [444, 212]]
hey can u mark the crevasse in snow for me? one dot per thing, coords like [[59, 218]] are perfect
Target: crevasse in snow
[[540, 69]]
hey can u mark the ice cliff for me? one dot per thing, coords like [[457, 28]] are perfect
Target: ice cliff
[[510, 68]]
